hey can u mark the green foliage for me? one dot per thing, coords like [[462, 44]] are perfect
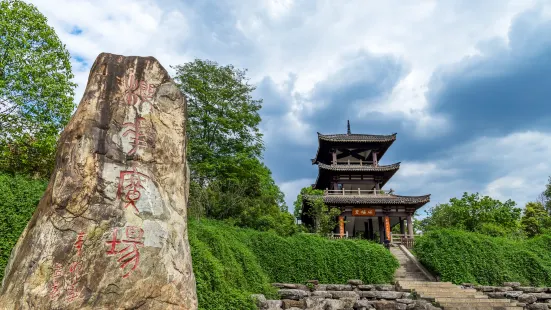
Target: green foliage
[[324, 217], [545, 197], [255, 202], [229, 181], [231, 263], [460, 256], [535, 219], [474, 213], [36, 92], [223, 120], [19, 197]]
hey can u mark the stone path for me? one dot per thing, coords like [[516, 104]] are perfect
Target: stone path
[[445, 294], [452, 297], [408, 270]]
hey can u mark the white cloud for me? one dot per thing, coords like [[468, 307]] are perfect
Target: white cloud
[[312, 40], [292, 188], [516, 166]]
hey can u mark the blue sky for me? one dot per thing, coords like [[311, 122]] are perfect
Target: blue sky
[[466, 85]]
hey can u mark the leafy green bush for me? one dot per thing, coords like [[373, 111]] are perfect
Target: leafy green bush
[[19, 197], [460, 256], [231, 263]]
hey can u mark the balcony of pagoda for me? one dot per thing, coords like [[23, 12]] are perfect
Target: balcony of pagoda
[[358, 192], [349, 162]]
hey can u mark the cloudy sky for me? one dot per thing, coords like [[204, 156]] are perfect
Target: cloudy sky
[[465, 84]]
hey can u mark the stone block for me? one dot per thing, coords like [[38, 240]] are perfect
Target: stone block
[[290, 303], [355, 282], [385, 287], [511, 284], [294, 294], [530, 289], [323, 294], [259, 300], [513, 294], [538, 306], [344, 294], [339, 287], [365, 287], [388, 295], [527, 298], [334, 304], [384, 305]]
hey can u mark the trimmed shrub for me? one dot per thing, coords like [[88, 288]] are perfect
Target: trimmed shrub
[[460, 256], [19, 196], [231, 263]]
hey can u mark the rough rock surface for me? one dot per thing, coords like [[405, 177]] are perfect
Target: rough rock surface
[[110, 231]]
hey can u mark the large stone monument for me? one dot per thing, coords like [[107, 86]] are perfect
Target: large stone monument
[[110, 231]]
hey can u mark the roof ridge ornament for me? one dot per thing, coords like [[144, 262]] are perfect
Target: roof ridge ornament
[[348, 127]]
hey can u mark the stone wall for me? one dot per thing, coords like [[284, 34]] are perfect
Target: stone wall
[[352, 296], [528, 297]]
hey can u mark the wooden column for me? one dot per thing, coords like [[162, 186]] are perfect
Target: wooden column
[[334, 157], [410, 226], [341, 226], [374, 154], [402, 227], [370, 236], [381, 230]]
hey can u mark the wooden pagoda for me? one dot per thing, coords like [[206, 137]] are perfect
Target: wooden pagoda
[[353, 180]]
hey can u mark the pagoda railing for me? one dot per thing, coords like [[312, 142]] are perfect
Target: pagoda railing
[[360, 192], [354, 162]]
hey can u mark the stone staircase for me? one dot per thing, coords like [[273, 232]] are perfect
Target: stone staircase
[[408, 270], [411, 278], [452, 297]]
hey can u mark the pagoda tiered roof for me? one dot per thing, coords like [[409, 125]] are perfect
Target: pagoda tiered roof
[[382, 199], [362, 138], [359, 168], [326, 172], [326, 142]]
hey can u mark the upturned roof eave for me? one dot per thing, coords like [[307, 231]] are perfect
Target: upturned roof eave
[[417, 201], [389, 141]]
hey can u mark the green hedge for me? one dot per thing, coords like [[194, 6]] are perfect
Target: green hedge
[[19, 196], [459, 256], [231, 263]]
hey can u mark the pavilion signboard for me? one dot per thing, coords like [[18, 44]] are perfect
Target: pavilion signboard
[[363, 212], [387, 227]]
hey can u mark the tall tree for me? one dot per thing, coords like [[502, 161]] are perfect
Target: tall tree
[[229, 180], [223, 119], [36, 92]]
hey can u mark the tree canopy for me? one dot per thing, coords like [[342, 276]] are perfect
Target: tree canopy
[[229, 180], [36, 92], [474, 213]]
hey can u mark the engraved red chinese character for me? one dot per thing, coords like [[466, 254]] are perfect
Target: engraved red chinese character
[[136, 91], [136, 132], [146, 91], [113, 243], [130, 254], [130, 183], [56, 282], [74, 275], [79, 242]]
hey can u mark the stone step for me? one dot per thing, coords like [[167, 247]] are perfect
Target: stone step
[[452, 295], [483, 308], [440, 291], [492, 300], [474, 305]]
